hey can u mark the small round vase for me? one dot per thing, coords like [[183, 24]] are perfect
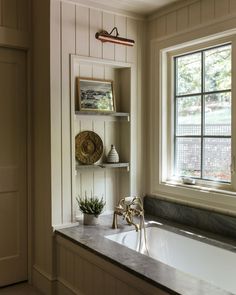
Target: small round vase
[[113, 156], [90, 219]]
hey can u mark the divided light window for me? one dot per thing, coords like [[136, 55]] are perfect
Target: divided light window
[[202, 132]]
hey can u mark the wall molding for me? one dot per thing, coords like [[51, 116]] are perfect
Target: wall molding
[[104, 8], [170, 8], [221, 22]]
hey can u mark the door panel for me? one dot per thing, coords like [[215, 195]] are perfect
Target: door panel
[[13, 167], [8, 225]]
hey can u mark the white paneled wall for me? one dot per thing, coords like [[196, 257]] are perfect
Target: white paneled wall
[[73, 28], [88, 21], [189, 14]]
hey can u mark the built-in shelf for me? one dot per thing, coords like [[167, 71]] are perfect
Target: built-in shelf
[[112, 180], [103, 165], [115, 114]]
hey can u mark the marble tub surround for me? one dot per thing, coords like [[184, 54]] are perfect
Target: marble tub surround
[[160, 275], [204, 219]]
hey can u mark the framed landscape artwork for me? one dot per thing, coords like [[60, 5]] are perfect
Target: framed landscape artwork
[[96, 95]]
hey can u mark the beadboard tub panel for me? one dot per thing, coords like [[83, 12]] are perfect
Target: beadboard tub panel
[[82, 272]]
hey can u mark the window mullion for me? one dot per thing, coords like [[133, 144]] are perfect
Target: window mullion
[[233, 113], [205, 93], [175, 110], [202, 107]]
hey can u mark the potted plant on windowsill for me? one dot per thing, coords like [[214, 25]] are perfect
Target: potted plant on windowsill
[[91, 207]]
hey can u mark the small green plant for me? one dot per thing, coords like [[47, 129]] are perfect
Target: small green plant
[[92, 205]]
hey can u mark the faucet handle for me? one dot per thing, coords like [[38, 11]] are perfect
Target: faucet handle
[[128, 200], [119, 208], [136, 201]]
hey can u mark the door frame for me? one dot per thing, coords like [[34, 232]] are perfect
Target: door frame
[[29, 162]]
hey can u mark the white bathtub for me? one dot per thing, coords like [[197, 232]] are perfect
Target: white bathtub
[[207, 262]]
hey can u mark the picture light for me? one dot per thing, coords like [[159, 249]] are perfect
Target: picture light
[[104, 36]]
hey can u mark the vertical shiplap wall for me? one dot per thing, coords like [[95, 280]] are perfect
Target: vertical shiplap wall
[[73, 28], [189, 14]]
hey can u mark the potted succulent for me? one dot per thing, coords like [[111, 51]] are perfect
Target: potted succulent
[[92, 207]]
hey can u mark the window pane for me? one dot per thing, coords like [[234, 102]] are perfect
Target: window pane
[[188, 115], [218, 68], [188, 157], [218, 114], [188, 70], [217, 159]]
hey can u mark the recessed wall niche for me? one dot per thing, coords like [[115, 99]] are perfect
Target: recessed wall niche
[[110, 181]]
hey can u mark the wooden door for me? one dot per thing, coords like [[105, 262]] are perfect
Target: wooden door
[[13, 167]]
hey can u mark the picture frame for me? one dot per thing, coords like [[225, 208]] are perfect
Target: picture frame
[[96, 95]]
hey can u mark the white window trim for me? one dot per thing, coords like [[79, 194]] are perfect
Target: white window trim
[[170, 104], [213, 195]]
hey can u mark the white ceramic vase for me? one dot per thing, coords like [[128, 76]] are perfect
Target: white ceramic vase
[[90, 219], [113, 156]]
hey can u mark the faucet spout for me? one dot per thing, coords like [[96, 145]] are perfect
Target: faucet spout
[[136, 225]]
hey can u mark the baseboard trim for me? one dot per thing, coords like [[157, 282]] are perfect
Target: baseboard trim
[[64, 288], [50, 285], [43, 281]]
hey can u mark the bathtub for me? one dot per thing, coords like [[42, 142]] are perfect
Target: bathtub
[[186, 252]]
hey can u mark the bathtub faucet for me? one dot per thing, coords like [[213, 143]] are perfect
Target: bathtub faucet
[[128, 208]]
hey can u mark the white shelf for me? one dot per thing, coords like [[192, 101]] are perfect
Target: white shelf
[[103, 165], [119, 115]]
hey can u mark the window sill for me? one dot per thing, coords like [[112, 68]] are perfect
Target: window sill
[[218, 200], [200, 188]]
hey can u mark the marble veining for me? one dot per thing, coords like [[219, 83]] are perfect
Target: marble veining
[[165, 277], [203, 219]]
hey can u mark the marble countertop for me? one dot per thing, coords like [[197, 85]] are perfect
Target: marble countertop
[[156, 273]]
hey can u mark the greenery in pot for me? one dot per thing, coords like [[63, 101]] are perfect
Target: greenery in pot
[[93, 205]]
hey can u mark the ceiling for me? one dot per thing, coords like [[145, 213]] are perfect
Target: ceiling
[[142, 7]]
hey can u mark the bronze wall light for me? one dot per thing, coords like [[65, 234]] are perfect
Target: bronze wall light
[[104, 36]]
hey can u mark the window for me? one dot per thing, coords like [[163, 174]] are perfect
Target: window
[[202, 114], [193, 117]]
